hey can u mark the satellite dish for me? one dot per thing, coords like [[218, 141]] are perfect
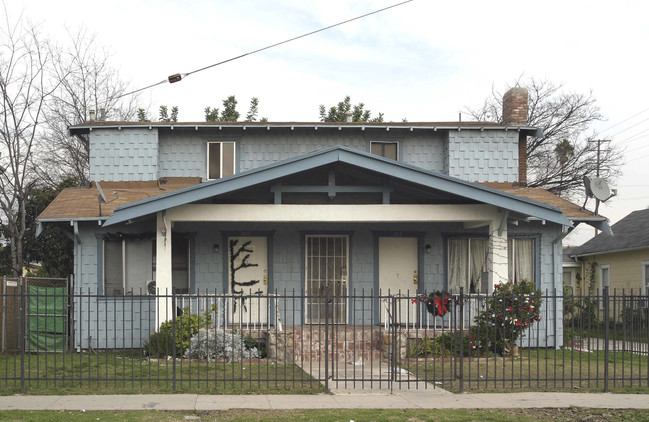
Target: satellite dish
[[600, 189]]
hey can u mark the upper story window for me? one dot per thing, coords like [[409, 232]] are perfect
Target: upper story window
[[220, 159], [385, 149]]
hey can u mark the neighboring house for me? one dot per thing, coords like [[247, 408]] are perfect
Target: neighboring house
[[572, 272], [621, 260], [349, 207]]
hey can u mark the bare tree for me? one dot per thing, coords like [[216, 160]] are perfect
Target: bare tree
[[562, 115], [24, 89], [87, 82]]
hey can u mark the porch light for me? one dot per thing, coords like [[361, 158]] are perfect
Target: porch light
[[428, 249], [216, 248]]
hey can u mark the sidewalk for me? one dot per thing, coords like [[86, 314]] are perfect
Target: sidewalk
[[430, 399]]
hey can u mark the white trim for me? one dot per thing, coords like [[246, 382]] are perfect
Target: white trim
[[644, 283], [334, 213]]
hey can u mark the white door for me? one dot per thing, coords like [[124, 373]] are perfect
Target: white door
[[248, 279], [398, 276]]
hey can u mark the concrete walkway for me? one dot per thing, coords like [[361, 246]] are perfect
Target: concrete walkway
[[429, 399]]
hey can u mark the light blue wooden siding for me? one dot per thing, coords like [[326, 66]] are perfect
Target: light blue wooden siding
[[123, 155], [183, 152], [487, 156]]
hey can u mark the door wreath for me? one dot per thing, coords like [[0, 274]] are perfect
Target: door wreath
[[438, 302]]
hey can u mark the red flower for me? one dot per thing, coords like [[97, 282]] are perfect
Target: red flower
[[414, 300]]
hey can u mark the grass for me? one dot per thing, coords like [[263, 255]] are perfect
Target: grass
[[129, 373], [333, 415], [537, 369]]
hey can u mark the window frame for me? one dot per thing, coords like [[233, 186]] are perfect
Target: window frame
[[209, 145], [644, 282], [386, 142]]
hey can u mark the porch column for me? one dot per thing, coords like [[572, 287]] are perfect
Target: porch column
[[498, 268], [164, 310]]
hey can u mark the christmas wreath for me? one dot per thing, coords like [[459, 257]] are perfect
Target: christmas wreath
[[437, 302]]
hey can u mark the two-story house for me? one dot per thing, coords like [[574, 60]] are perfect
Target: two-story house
[[318, 210]]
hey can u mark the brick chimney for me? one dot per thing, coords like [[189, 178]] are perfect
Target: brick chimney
[[515, 113], [515, 107]]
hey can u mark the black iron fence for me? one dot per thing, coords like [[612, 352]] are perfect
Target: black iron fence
[[79, 341]]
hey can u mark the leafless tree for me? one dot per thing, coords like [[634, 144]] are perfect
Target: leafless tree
[[87, 81], [24, 89], [563, 116]]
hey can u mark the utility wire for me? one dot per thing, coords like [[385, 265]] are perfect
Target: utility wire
[[178, 76]]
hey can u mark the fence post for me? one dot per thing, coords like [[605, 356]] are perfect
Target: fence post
[[173, 329], [461, 339], [22, 330], [606, 336], [4, 313], [326, 302], [393, 343]]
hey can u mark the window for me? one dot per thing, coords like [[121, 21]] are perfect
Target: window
[[604, 279], [520, 259], [467, 264], [220, 159], [385, 149], [130, 263], [468, 259], [645, 277]]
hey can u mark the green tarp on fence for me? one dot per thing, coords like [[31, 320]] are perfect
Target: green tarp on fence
[[46, 318]]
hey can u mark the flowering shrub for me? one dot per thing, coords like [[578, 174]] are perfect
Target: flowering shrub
[[512, 309]]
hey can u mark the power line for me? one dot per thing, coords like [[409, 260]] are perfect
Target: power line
[[178, 76], [619, 123]]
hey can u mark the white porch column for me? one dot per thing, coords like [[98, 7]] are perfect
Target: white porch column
[[164, 309], [498, 268]]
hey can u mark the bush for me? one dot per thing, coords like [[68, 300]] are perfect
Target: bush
[[512, 309], [160, 344], [187, 325], [219, 344]]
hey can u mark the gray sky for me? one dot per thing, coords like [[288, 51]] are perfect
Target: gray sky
[[424, 61]]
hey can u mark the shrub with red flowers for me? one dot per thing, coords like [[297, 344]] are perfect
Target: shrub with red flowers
[[512, 309]]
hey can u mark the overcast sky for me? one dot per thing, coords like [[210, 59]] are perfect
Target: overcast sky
[[425, 60]]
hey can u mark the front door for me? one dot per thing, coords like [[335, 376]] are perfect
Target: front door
[[327, 263], [248, 280], [398, 276]]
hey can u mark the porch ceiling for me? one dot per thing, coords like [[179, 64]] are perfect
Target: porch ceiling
[[456, 191]]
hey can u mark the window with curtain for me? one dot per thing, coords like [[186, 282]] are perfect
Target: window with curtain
[[467, 263], [521, 262], [130, 263]]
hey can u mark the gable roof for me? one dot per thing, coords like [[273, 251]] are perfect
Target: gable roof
[[631, 232], [346, 155]]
